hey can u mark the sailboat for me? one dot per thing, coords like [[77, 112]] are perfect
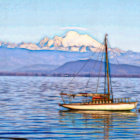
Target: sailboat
[[100, 101]]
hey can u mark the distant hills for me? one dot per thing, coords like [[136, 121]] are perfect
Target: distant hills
[[13, 60], [78, 68], [37, 68], [93, 67]]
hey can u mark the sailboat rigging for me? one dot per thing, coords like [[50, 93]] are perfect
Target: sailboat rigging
[[100, 101]]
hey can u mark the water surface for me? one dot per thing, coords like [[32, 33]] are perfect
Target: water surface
[[29, 109]]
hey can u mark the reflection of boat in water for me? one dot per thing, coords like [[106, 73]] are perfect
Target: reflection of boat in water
[[121, 113], [100, 122], [101, 114], [100, 101]]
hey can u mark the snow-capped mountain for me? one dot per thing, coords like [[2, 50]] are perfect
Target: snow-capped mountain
[[59, 50], [72, 41]]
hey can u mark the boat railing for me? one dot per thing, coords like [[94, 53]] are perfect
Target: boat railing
[[102, 101], [106, 101], [121, 100]]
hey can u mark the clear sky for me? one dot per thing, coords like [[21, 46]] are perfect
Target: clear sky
[[31, 20]]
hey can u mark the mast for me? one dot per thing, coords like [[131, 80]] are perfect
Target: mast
[[107, 79]]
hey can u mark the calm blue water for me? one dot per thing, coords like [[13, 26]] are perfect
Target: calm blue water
[[29, 109]]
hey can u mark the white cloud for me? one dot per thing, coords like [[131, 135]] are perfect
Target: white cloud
[[74, 28]]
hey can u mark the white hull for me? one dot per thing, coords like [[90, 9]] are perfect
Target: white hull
[[111, 107]]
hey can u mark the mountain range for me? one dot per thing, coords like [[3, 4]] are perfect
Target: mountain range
[[94, 67], [72, 41], [51, 53], [88, 68]]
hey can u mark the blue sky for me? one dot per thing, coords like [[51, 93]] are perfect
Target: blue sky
[[31, 20]]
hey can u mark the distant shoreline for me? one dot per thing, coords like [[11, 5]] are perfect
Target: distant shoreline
[[63, 75]]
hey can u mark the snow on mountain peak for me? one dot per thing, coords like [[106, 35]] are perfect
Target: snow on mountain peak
[[72, 33], [72, 41], [73, 38]]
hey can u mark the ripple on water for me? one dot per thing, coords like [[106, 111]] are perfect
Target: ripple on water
[[29, 109]]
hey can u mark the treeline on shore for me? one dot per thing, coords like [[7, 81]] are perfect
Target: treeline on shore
[[62, 75]]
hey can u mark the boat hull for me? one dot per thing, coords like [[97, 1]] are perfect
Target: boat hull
[[109, 107]]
